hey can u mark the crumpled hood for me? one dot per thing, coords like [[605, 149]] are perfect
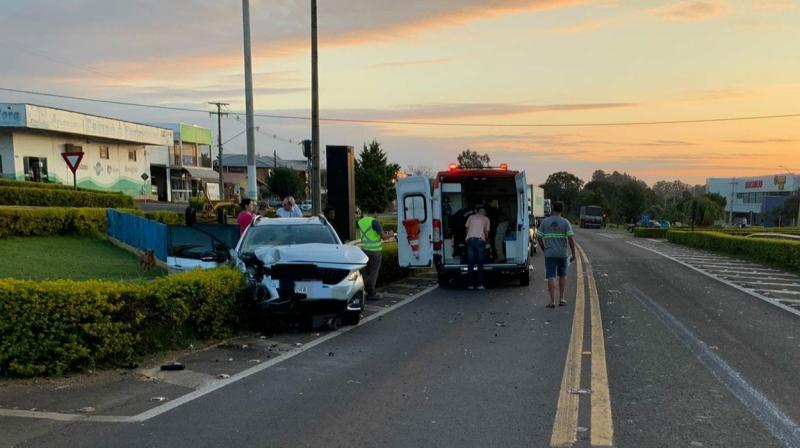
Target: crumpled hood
[[323, 255]]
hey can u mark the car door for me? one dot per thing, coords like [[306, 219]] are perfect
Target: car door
[[414, 210], [190, 248], [523, 218]]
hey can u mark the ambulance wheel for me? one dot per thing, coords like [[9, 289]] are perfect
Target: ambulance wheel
[[525, 278], [444, 280]]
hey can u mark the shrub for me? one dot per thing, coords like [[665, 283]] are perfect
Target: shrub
[[169, 218], [53, 327], [44, 197], [779, 253], [390, 266], [45, 221], [643, 232], [45, 185]]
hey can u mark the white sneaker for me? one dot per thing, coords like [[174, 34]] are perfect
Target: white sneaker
[[470, 287], [481, 288]]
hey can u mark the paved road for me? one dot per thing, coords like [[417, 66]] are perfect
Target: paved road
[[690, 361]]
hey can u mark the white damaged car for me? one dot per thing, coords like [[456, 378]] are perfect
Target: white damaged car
[[300, 266]]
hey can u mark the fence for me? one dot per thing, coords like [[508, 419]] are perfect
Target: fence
[[140, 233]]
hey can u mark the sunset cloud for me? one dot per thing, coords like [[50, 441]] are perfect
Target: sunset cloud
[[691, 10]]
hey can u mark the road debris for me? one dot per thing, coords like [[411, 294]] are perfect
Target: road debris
[[88, 409], [500, 324], [331, 353], [580, 391], [223, 376], [173, 366], [255, 361], [582, 429], [158, 399]]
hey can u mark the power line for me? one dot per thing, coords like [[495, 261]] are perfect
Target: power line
[[422, 123]]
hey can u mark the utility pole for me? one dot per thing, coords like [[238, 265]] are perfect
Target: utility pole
[[252, 186], [219, 115], [316, 195]]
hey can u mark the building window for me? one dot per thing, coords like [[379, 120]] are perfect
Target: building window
[[104, 152], [35, 169], [131, 155]]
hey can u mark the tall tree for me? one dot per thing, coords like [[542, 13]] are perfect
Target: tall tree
[[563, 186], [375, 178], [286, 182], [471, 159]]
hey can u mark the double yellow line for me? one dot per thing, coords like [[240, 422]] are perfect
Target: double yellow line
[[565, 426]]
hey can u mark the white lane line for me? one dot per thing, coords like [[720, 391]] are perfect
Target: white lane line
[[742, 267], [745, 278], [211, 387], [722, 280], [779, 291], [750, 271], [780, 425], [760, 283]]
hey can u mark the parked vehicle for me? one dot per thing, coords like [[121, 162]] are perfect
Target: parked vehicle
[[548, 207], [441, 215], [591, 216], [300, 266]]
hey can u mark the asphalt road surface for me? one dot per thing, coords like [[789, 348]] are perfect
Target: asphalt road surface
[[648, 353]]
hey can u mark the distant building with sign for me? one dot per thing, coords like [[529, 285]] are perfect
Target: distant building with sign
[[183, 168], [32, 139], [749, 197]]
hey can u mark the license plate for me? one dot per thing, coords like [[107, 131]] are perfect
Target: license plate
[[301, 289]]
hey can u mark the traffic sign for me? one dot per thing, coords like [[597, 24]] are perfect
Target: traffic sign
[[73, 160]]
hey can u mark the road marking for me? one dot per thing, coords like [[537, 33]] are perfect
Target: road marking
[[780, 425], [602, 427], [211, 387], [565, 425], [753, 293]]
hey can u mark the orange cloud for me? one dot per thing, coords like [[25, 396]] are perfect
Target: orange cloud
[[691, 10]]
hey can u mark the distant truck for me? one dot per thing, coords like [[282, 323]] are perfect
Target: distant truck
[[591, 216], [548, 207]]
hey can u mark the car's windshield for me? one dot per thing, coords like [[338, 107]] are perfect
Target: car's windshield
[[287, 234], [593, 211]]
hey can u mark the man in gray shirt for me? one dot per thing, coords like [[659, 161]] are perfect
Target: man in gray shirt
[[555, 235]]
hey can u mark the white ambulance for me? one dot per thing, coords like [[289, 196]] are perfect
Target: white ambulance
[[441, 211]]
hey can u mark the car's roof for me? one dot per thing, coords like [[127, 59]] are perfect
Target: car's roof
[[314, 220]]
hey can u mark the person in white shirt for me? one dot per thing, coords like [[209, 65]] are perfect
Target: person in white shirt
[[289, 209]]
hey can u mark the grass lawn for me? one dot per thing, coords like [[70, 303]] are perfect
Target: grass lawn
[[68, 257]]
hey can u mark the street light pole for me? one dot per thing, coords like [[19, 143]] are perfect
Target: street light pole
[[252, 186], [730, 216], [316, 194]]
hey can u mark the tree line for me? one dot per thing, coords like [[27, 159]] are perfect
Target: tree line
[[625, 198]]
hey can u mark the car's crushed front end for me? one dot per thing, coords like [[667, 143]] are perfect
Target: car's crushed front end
[[307, 278]]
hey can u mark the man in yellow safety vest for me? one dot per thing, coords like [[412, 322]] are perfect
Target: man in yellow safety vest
[[372, 236]]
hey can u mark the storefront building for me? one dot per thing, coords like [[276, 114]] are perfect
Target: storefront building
[[183, 169], [749, 197], [32, 139]]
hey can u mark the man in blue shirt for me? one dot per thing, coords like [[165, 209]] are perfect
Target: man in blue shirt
[[555, 235]]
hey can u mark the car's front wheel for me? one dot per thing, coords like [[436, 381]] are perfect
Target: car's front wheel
[[351, 317]]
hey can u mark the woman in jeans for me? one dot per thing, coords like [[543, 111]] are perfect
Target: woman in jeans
[[477, 234]]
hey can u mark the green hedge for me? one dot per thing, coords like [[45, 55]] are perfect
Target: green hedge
[[43, 197], [45, 221], [779, 253], [45, 185], [390, 265], [53, 327], [644, 232], [169, 218]]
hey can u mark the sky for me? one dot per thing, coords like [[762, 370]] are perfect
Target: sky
[[509, 66]]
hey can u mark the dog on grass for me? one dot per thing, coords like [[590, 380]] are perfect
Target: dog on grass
[[147, 260]]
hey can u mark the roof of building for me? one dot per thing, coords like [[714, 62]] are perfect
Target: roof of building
[[51, 119], [240, 160]]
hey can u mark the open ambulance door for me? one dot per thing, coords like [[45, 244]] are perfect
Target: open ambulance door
[[414, 203], [523, 216]]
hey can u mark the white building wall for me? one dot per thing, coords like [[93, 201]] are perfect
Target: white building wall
[[116, 173], [745, 191]]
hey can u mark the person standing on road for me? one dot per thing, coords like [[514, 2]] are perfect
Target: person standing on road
[[372, 236], [555, 235], [246, 216], [477, 233], [289, 209]]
